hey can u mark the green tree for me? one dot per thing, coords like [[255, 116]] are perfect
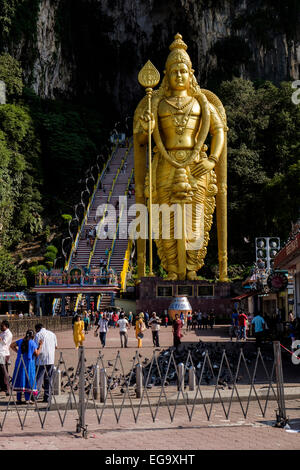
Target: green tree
[[263, 162], [11, 277], [11, 74]]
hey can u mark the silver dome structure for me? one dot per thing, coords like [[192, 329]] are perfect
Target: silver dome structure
[[179, 304]]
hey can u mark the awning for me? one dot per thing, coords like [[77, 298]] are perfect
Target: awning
[[243, 296]]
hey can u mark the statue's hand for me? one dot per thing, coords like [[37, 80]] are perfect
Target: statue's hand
[[145, 119], [203, 167]]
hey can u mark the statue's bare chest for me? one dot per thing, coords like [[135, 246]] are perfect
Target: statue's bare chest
[[179, 121]]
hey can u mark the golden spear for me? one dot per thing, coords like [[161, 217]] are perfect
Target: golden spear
[[149, 77]]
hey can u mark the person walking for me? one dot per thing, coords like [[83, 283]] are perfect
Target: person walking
[[199, 319], [204, 321], [233, 329], [103, 327], [140, 328], [177, 327], [242, 319], [23, 380], [130, 318], [258, 323], [86, 321], [5, 342], [45, 361], [115, 318], [154, 324], [211, 320], [250, 318], [78, 331], [189, 321], [123, 324]]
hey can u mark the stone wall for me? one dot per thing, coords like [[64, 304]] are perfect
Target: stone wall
[[148, 298]]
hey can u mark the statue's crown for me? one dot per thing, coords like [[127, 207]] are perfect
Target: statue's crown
[[178, 43], [178, 53]]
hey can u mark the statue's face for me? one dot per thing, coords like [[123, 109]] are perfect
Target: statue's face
[[179, 76]]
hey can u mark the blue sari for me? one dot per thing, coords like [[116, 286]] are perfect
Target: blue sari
[[23, 379]]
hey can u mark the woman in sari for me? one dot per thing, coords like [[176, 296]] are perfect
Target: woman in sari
[[177, 326], [78, 331], [24, 380]]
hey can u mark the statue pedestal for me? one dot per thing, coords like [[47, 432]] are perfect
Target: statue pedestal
[[155, 295]]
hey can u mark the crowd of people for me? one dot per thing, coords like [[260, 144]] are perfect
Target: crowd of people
[[242, 325], [140, 322], [262, 327], [34, 365]]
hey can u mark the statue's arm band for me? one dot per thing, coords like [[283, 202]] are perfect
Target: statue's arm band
[[214, 158]]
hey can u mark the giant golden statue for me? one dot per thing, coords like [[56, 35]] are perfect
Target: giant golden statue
[[181, 119]]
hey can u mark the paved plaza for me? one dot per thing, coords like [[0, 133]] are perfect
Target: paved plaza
[[253, 433]]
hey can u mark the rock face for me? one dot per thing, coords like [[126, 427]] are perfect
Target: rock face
[[50, 74], [95, 48]]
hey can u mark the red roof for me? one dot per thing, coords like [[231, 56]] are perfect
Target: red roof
[[243, 296], [288, 253]]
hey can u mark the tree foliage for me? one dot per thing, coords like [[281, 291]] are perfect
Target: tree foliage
[[11, 277], [263, 162]]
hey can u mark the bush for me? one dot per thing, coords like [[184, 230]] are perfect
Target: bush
[[50, 255], [66, 217], [52, 248]]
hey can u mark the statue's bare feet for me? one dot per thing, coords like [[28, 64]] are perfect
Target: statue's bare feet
[[172, 276], [192, 275]]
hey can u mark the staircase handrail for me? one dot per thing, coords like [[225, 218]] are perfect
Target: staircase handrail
[[124, 271]]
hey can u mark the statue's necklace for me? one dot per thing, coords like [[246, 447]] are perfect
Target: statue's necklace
[[178, 107], [181, 123]]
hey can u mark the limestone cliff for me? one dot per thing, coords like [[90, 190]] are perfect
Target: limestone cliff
[[93, 49]]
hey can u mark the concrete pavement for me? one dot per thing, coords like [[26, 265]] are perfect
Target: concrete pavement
[[109, 431]]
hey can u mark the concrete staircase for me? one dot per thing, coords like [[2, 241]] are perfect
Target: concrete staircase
[[84, 248]]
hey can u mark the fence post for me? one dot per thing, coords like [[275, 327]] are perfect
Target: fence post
[[56, 381], [139, 381], [281, 419], [96, 384], [103, 385], [192, 379], [81, 426], [180, 385]]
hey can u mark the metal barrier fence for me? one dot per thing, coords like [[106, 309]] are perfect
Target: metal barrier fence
[[19, 327], [162, 381]]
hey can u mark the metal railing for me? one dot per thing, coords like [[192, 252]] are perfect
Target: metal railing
[[18, 327], [221, 380]]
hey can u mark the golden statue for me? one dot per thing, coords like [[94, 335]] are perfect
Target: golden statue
[[180, 119]]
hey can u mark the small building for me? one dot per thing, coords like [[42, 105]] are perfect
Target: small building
[[288, 259]]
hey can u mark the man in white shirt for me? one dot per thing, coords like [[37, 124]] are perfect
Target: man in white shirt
[[5, 341], [103, 326], [45, 361], [154, 323], [123, 324]]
